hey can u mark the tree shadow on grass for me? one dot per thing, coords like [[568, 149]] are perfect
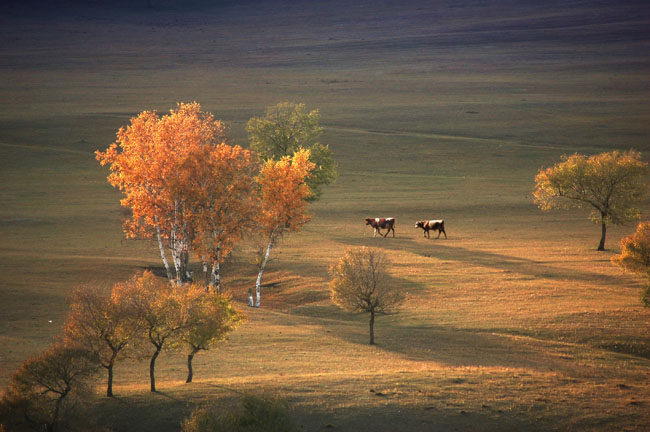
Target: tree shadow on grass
[[449, 250]]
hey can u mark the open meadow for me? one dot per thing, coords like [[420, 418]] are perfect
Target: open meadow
[[432, 109]]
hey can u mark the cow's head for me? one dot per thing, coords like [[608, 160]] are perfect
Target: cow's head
[[420, 224], [369, 221]]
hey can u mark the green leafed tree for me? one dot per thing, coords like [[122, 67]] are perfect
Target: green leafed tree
[[360, 283], [284, 129], [635, 256], [610, 184]]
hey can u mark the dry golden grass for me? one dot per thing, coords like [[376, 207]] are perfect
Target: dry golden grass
[[447, 111]]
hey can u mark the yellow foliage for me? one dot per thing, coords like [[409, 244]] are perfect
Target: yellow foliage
[[635, 251], [611, 184]]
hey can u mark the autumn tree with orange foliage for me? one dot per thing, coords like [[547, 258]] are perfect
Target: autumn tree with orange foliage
[[283, 201], [219, 189], [635, 256], [183, 184], [610, 184]]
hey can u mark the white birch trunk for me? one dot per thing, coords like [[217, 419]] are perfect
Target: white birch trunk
[[162, 253], [215, 276], [186, 263], [258, 284], [176, 247], [215, 280], [177, 258], [205, 270]]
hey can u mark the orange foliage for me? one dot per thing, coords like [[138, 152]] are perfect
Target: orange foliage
[[284, 192], [147, 157], [218, 186], [183, 183]]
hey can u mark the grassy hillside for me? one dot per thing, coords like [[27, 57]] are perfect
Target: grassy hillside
[[433, 110]]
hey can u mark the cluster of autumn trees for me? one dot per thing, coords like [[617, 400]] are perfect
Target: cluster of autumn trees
[[141, 317], [195, 194]]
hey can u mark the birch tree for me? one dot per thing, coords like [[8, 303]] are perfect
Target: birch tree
[[610, 184], [218, 183], [144, 161], [284, 129], [283, 197], [360, 283], [102, 324]]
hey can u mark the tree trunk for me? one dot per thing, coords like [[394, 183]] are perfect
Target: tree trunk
[[372, 327], [176, 256], [152, 367], [206, 278], [109, 385], [57, 408], [162, 252], [258, 283], [215, 277], [186, 264], [190, 371], [601, 246]]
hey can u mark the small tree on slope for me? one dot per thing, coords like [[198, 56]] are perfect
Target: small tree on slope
[[360, 283], [210, 318]]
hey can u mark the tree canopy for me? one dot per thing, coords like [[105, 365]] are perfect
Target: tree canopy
[[610, 184], [286, 128], [183, 184]]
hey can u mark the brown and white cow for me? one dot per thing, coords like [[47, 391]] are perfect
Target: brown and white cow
[[381, 223], [435, 225]]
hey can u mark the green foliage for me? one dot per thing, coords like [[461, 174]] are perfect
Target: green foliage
[[255, 414], [286, 128], [46, 386]]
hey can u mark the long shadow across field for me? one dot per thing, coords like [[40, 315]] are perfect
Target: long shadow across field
[[444, 249]]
